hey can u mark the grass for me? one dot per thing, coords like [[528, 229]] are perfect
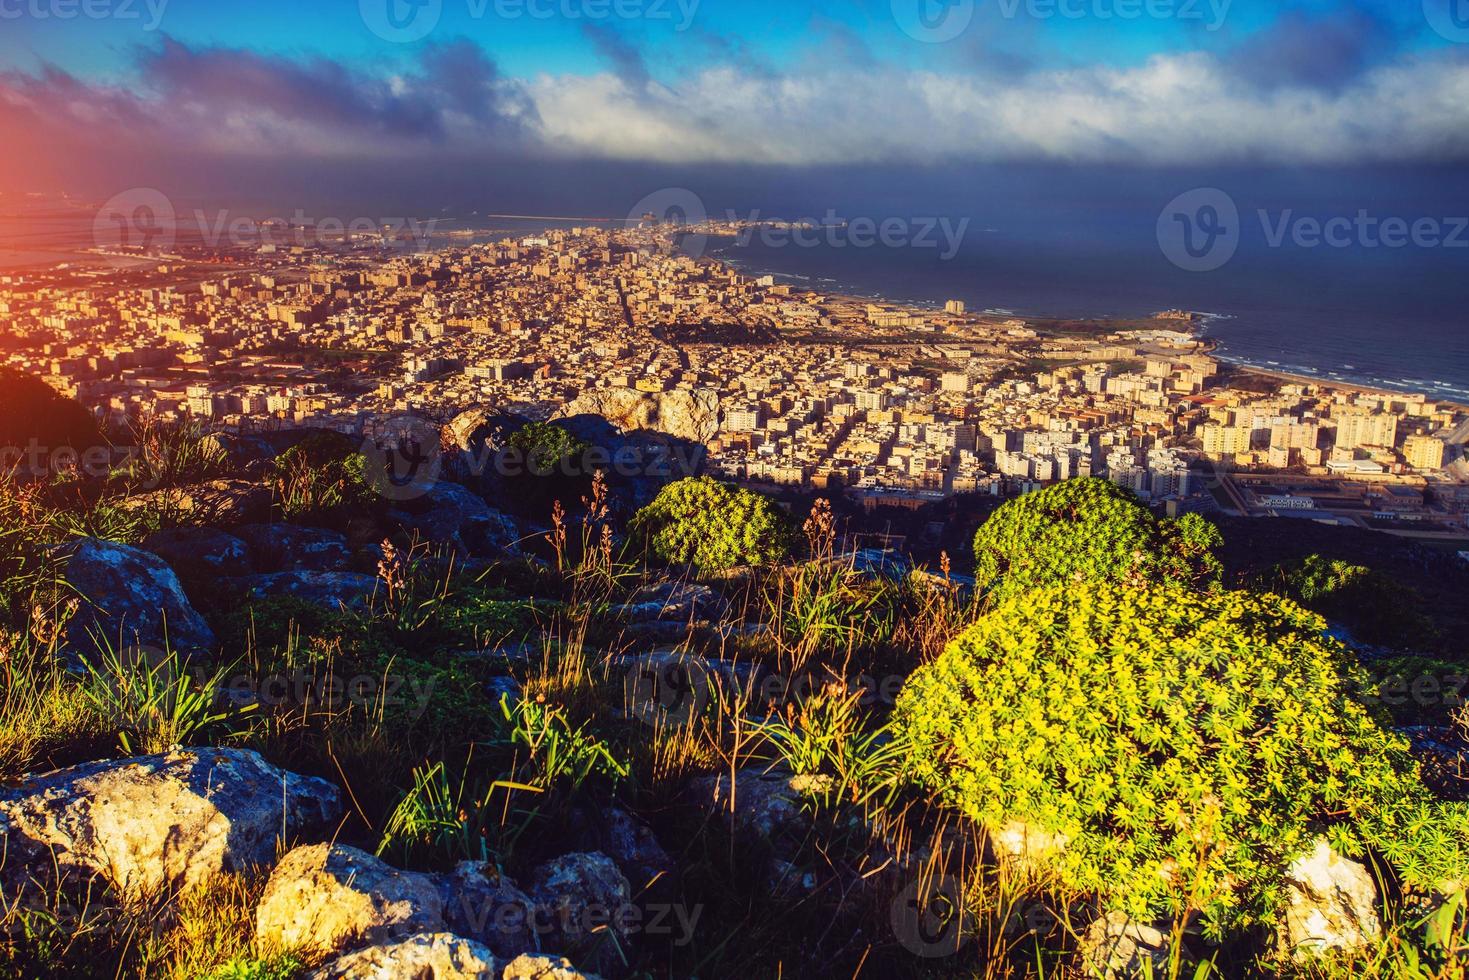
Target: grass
[[469, 775]]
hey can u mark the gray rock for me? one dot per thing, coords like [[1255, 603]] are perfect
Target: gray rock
[[1116, 948], [676, 602], [330, 590], [201, 552], [289, 548], [488, 907], [160, 822], [425, 956], [131, 596], [767, 803], [328, 899], [219, 503], [631, 844], [451, 514], [1330, 904], [544, 968], [582, 894]]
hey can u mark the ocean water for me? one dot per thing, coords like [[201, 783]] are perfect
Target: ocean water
[[1396, 320]]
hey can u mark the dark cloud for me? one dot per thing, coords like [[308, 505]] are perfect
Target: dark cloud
[[626, 60], [1317, 49]]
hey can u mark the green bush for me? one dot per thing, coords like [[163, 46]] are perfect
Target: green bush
[[1093, 531], [324, 473], [544, 445], [1377, 609], [713, 526], [1187, 745]]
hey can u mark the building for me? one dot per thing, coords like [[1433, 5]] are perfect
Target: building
[[1424, 452]]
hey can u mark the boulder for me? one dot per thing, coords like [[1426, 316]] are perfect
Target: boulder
[[767, 803], [625, 408], [328, 899], [451, 514], [200, 552], [678, 602], [424, 956], [581, 894], [1116, 948], [129, 598], [486, 906], [691, 415], [543, 968], [630, 843], [290, 548], [1330, 904], [330, 590], [160, 822], [219, 503]]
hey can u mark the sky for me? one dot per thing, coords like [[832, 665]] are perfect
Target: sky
[[553, 106]]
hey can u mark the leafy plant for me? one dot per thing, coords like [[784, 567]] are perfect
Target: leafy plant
[[1185, 746], [1090, 530], [825, 605], [1377, 609], [543, 445], [557, 754], [154, 700], [321, 474], [828, 741], [713, 526], [443, 820]]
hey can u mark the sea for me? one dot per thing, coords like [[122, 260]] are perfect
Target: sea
[[1394, 319]]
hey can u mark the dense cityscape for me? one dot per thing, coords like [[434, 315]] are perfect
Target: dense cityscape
[[892, 404]]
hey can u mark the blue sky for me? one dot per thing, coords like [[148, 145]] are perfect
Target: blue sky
[[270, 85]]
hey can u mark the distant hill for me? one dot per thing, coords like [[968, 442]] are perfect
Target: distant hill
[[33, 411]]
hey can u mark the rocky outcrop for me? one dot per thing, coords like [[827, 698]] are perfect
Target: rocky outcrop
[[424, 956], [765, 803], [160, 822], [1027, 844], [130, 598], [290, 548], [329, 590], [691, 415], [1330, 904], [221, 503], [328, 899], [543, 968], [200, 552], [486, 906], [1116, 948], [581, 894], [630, 843], [678, 602], [451, 514]]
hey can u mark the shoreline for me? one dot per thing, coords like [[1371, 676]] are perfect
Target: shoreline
[[1332, 383]]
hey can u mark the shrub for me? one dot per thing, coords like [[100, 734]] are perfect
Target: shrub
[[1187, 745], [323, 473], [1090, 530], [713, 526], [1377, 609], [543, 446]]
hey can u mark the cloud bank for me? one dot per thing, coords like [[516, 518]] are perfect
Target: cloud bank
[[1174, 109]]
